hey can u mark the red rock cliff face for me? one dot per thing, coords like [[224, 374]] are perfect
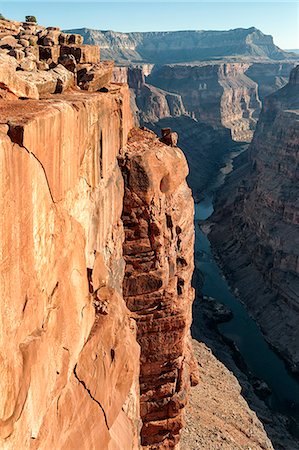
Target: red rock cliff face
[[70, 360], [69, 355], [158, 250]]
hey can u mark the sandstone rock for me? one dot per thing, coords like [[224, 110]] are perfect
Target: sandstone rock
[[219, 94], [49, 54], [28, 65], [82, 53], [8, 42], [12, 82], [68, 61], [168, 137], [175, 47], [52, 81], [158, 220], [18, 54], [50, 39], [95, 77], [24, 42], [68, 373], [71, 39], [42, 65]]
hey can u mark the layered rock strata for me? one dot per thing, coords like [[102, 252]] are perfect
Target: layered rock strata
[[70, 359], [270, 76], [158, 250], [220, 95], [168, 47], [258, 223]]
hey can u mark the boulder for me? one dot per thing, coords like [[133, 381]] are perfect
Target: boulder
[[82, 53], [28, 64], [24, 42], [17, 53], [49, 54], [169, 137], [96, 77], [11, 81], [8, 42], [52, 81], [68, 61]]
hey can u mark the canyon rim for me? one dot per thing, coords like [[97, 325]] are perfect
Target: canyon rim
[[101, 274]]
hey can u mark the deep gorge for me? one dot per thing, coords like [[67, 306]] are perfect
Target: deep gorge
[[97, 241]]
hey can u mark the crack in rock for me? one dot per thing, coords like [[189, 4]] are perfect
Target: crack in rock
[[91, 396]]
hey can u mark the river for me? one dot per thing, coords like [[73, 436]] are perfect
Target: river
[[261, 360]]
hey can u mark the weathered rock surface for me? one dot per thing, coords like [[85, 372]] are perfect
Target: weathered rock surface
[[217, 416], [158, 250], [37, 61], [220, 95], [257, 226], [11, 82], [70, 359], [69, 373], [169, 47]]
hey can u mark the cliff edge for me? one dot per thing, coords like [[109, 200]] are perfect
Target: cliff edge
[[81, 294], [96, 256]]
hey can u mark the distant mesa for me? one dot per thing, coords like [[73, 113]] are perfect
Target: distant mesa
[[170, 47]]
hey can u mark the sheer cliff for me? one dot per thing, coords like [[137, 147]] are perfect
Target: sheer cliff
[[96, 257], [256, 231], [74, 317]]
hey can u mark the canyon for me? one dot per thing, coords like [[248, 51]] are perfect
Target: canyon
[[97, 233], [94, 248], [213, 105], [256, 231]]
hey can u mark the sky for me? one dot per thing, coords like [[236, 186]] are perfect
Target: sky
[[278, 18]]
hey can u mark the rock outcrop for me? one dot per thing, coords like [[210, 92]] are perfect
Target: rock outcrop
[[256, 230], [93, 262], [167, 47], [69, 357], [37, 61], [158, 250]]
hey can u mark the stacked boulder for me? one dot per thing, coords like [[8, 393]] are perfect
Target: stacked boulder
[[37, 61]]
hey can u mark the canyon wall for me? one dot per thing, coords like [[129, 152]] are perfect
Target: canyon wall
[[167, 47], [96, 262], [68, 347], [270, 76], [220, 95], [96, 250], [257, 222]]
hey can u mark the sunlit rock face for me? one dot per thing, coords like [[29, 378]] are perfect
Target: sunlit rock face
[[70, 360], [260, 222], [158, 250], [70, 354]]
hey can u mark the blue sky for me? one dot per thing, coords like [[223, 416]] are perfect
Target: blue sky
[[278, 18]]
